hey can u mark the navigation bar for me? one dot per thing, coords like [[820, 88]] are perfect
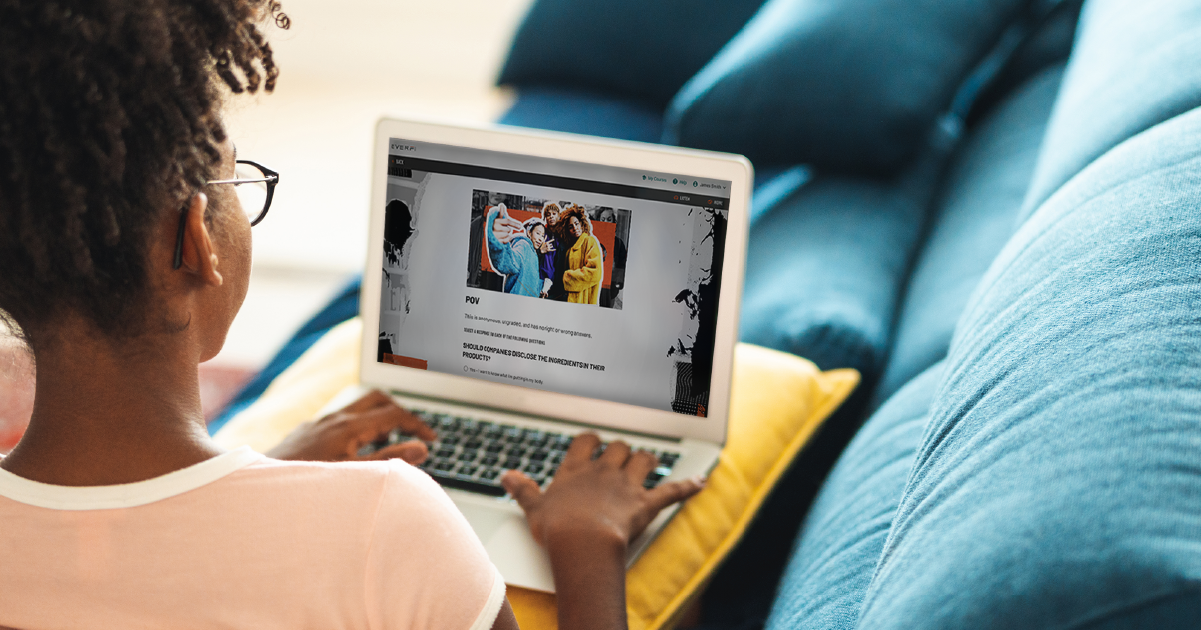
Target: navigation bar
[[402, 166]]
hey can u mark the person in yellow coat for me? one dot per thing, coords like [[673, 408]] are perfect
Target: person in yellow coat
[[585, 259]]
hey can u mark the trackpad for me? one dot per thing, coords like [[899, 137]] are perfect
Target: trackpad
[[484, 520], [520, 560]]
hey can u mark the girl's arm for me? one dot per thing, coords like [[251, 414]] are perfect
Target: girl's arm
[[502, 257], [591, 272], [586, 520], [504, 619]]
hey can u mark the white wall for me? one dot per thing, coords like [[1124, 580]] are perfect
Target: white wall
[[343, 65]]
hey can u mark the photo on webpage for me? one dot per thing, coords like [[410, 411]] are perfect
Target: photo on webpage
[[552, 249]]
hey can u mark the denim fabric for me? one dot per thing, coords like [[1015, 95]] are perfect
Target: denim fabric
[[854, 85], [637, 50], [979, 201], [1135, 65], [826, 265], [576, 111], [1058, 484], [843, 535]]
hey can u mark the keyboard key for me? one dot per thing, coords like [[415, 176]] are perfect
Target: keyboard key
[[444, 465], [652, 480], [669, 459], [489, 460], [490, 474], [473, 444], [511, 463], [532, 469], [539, 455], [493, 447], [483, 487], [445, 452], [468, 469], [468, 456]]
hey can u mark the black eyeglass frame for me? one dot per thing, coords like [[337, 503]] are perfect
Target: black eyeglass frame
[[271, 179]]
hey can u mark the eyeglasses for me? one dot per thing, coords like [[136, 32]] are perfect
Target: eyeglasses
[[255, 186]]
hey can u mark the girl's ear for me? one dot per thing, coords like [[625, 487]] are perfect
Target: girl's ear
[[199, 258]]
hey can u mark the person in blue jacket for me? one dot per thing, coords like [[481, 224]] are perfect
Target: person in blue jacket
[[512, 253]]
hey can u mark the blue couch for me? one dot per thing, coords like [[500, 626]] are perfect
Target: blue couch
[[992, 209]]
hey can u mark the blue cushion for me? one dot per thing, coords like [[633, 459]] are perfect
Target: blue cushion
[[576, 111], [975, 214], [632, 49], [844, 533], [854, 84], [1058, 484], [826, 265], [1135, 65], [1049, 44]]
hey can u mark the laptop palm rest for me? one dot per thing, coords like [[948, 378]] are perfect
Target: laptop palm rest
[[510, 546]]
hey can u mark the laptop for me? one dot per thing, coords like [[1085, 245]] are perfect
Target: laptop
[[522, 287]]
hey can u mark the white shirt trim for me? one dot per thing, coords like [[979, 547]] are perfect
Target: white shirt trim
[[125, 495], [491, 609]]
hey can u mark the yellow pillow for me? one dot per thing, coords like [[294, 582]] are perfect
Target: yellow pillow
[[777, 403]]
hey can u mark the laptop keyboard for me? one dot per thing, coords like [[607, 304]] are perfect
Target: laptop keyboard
[[471, 454]]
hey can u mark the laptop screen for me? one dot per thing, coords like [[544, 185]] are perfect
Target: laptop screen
[[551, 274]]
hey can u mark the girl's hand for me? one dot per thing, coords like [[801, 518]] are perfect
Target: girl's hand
[[586, 520], [599, 498], [504, 227], [338, 436]]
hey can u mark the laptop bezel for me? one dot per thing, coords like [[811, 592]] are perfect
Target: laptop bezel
[[539, 403]]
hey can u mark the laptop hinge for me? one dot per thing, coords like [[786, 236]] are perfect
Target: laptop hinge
[[532, 416]]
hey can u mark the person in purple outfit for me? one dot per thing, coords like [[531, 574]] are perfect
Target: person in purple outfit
[[536, 229]]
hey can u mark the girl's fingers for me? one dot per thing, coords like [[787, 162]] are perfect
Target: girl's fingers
[[522, 488], [381, 420], [413, 452], [673, 492], [581, 448], [640, 464], [616, 453], [371, 399]]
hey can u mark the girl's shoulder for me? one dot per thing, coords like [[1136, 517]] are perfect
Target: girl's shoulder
[[366, 480]]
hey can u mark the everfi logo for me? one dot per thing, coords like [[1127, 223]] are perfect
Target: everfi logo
[[396, 146]]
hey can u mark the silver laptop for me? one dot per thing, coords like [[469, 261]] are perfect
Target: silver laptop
[[522, 287]]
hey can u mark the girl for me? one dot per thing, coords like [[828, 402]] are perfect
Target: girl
[[125, 251], [554, 257], [512, 252], [585, 262], [536, 229]]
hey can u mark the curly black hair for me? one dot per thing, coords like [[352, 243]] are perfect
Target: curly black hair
[[109, 114]]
